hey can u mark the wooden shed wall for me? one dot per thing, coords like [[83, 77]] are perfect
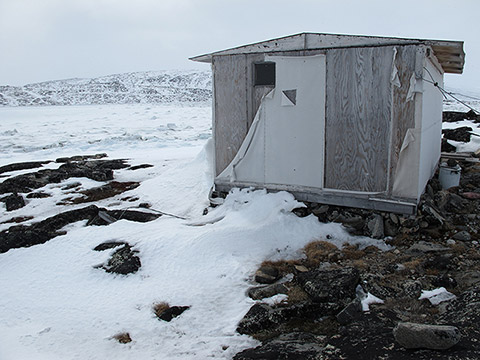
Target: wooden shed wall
[[230, 128], [358, 118]]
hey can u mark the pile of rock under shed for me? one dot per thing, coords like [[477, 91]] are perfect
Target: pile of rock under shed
[[364, 303]]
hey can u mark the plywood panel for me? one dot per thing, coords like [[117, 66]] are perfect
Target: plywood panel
[[403, 112], [358, 117], [230, 126]]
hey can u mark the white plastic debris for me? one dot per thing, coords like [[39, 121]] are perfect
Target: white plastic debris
[[437, 296], [367, 299]]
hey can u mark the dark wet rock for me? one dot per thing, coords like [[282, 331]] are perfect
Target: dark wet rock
[[263, 317], [423, 336], [266, 275], [17, 219], [262, 292], [38, 195], [123, 261], [141, 166], [301, 211], [106, 217], [439, 262], [445, 281], [99, 170], [38, 233], [109, 245], [80, 158], [447, 147], [294, 346], [103, 192], [172, 312], [331, 285], [22, 166], [351, 312], [454, 116], [462, 134], [13, 202], [71, 186], [462, 236]]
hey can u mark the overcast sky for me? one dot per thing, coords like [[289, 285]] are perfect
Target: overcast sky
[[56, 39]]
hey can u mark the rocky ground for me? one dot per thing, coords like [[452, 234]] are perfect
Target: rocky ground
[[321, 314]]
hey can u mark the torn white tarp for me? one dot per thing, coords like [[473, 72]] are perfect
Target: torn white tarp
[[406, 172], [395, 79]]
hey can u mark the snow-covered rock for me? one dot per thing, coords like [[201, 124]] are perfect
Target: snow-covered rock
[[137, 87]]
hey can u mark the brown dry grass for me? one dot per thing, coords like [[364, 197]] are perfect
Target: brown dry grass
[[284, 267], [123, 338], [160, 308], [351, 252], [318, 251]]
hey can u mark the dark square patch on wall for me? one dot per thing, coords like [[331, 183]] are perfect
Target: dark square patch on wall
[[265, 74]]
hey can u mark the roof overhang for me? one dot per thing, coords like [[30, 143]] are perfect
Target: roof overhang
[[450, 54]]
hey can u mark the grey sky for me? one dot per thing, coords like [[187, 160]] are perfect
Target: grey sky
[[55, 39]]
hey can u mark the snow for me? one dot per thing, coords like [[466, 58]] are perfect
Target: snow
[[437, 296], [369, 300], [56, 305]]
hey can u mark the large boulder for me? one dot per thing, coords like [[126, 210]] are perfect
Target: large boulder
[[423, 336], [330, 285]]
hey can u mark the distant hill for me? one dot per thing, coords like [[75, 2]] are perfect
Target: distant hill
[[137, 87]]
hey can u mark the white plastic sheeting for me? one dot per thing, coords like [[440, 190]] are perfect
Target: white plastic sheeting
[[285, 144]]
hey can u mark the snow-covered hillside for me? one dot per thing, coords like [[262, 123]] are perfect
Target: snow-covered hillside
[[138, 87]]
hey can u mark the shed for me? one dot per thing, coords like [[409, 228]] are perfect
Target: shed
[[336, 119]]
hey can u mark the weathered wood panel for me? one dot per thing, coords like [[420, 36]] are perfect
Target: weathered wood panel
[[254, 93], [230, 116], [358, 118], [403, 112]]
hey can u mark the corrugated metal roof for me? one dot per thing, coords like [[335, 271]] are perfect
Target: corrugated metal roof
[[450, 54]]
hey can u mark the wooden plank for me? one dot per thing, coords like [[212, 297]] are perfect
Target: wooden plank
[[403, 112], [339, 198], [230, 108], [358, 118]]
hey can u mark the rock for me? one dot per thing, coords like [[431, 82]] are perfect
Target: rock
[[462, 134], [350, 312], [471, 195], [123, 261], [447, 147], [22, 166], [301, 346], [262, 317], [99, 170], [439, 262], [261, 292], [445, 281], [434, 337], [266, 274], [375, 226], [109, 245], [80, 158], [329, 285], [13, 202], [141, 166], [301, 211], [103, 192], [426, 247], [38, 195], [462, 236], [171, 312], [468, 278], [38, 233]]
